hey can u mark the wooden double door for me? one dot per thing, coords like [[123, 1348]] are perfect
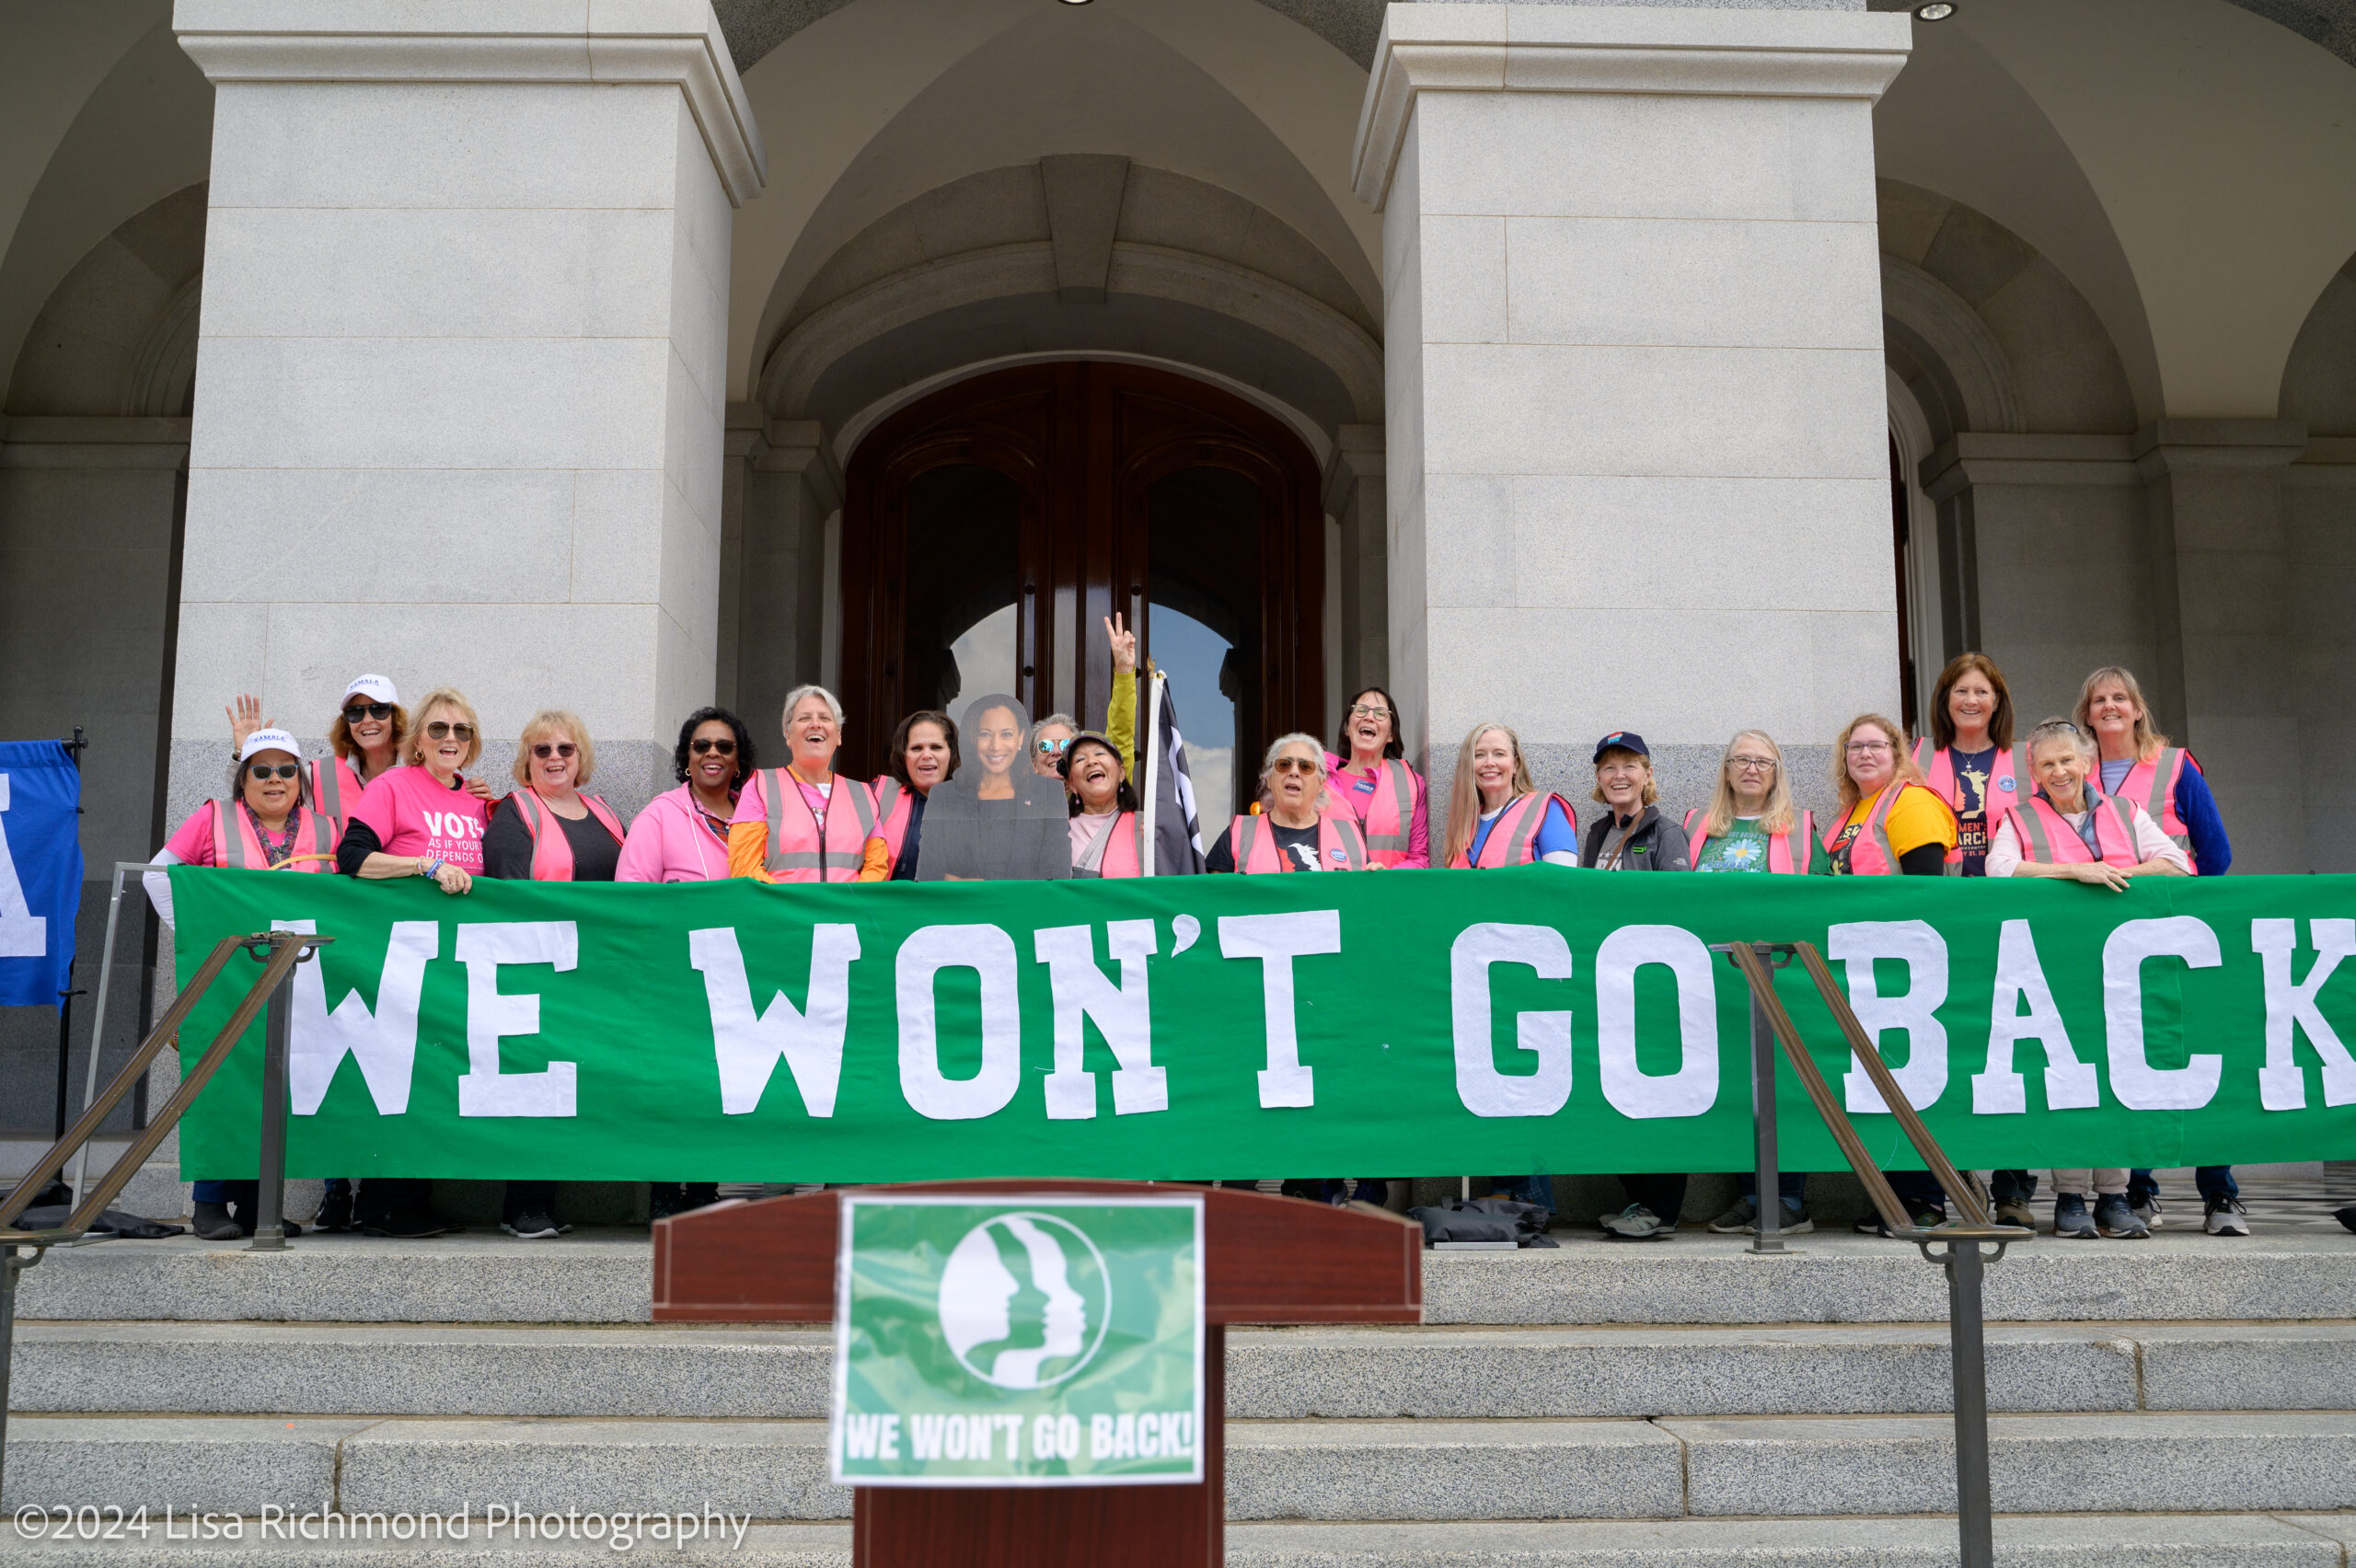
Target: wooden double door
[[989, 528]]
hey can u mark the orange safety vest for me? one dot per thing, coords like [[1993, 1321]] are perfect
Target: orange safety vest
[[1869, 851], [237, 846], [796, 852], [2151, 785], [2009, 783], [2046, 834], [1513, 839], [1786, 852], [1341, 844], [552, 852], [1117, 850], [335, 787], [1389, 819]]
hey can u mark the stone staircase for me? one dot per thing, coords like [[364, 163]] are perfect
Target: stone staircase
[[2186, 1400]]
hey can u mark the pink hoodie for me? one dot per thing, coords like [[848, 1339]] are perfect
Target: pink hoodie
[[668, 842]]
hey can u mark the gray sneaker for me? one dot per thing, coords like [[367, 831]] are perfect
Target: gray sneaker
[[1740, 1220], [1634, 1223], [2226, 1218], [2071, 1219], [2116, 1222]]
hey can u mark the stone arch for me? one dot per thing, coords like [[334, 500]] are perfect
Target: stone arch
[[2319, 378], [1945, 353], [117, 334]]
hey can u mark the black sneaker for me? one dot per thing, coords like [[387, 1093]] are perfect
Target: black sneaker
[[335, 1210], [2346, 1217], [1923, 1218], [212, 1223], [1740, 1220], [533, 1226], [411, 1224]]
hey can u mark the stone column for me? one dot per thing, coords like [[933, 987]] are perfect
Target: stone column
[[2226, 681], [460, 386], [790, 483], [1353, 498], [1638, 464]]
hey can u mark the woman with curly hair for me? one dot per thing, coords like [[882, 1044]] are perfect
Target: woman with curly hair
[[682, 836]]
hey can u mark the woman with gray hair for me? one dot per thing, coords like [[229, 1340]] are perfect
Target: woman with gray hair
[[803, 822], [2069, 828], [1300, 832]]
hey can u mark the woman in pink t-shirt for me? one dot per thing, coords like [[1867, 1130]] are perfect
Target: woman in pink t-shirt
[[423, 820]]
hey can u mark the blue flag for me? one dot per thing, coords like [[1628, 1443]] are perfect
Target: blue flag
[[40, 870]]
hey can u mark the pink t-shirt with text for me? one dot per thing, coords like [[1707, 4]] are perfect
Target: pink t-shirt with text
[[412, 814]]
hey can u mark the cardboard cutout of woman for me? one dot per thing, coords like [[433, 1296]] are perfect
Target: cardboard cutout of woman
[[996, 821]]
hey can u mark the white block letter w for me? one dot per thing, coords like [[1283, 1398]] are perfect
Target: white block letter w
[[384, 1041], [746, 1045]]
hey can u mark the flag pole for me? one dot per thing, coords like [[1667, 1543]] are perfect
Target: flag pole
[[1151, 857]]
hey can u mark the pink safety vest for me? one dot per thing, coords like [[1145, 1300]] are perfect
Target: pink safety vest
[[2011, 767], [335, 787], [1870, 852], [1115, 851], [551, 850], [1786, 852], [1341, 844], [2151, 785], [237, 846], [2047, 835], [1513, 837], [895, 804], [795, 852], [1389, 820]]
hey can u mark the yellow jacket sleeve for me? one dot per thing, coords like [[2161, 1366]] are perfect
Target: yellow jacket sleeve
[[1919, 818], [749, 846], [1121, 721], [874, 864]]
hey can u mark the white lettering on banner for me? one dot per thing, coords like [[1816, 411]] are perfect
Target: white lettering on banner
[[989, 953], [483, 1089], [1276, 940], [23, 934], [2070, 1084], [1694, 1088], [2292, 1006], [383, 1041], [746, 1045], [1122, 1014], [1546, 1036], [870, 1436], [1915, 1009], [2138, 1084]]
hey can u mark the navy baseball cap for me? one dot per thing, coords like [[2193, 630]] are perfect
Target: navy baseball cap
[[1622, 740]]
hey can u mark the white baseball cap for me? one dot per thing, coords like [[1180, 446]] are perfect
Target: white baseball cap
[[269, 739], [376, 688]]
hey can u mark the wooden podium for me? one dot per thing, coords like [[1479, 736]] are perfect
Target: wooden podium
[[1270, 1260]]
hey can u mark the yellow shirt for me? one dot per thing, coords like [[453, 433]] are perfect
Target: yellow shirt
[[1920, 817]]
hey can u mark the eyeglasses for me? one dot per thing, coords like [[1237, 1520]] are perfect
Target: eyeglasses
[[1292, 765], [1752, 764], [726, 748], [1867, 748], [1054, 748], [1363, 711], [358, 710], [440, 731], [274, 770], [544, 750]]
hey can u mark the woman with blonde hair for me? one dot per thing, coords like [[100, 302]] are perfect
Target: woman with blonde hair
[[1497, 815], [1889, 823], [550, 829], [2139, 765], [1751, 824]]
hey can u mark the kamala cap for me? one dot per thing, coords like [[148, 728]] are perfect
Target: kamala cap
[[269, 739], [376, 688], [1622, 740], [1071, 747]]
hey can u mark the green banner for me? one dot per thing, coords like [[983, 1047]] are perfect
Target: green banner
[[1396, 1024], [1045, 1341]]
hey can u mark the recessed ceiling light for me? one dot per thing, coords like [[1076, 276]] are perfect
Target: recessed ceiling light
[[1936, 11], [1085, 2]]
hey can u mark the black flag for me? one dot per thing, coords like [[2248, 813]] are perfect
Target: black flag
[[1170, 803]]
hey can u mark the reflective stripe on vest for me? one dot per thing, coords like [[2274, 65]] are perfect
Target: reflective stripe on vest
[[828, 853], [238, 846], [1116, 851], [895, 804], [552, 852], [1393, 842], [1335, 831], [2041, 829], [1873, 836], [1513, 837], [1787, 853], [326, 786], [2151, 785]]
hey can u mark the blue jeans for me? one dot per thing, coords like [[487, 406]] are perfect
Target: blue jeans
[[1918, 1189], [2213, 1182], [1539, 1189], [217, 1192], [1790, 1186], [1375, 1190], [2012, 1186]]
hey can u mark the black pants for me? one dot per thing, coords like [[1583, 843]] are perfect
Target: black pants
[[527, 1197], [1663, 1192], [384, 1198]]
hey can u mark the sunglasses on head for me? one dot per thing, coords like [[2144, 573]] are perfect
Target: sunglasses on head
[[545, 750], [274, 769], [442, 730], [726, 748], [358, 710]]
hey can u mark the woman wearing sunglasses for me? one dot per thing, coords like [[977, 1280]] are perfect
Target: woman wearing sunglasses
[[262, 824], [682, 836], [365, 737], [1049, 736], [548, 830], [1302, 830], [423, 820]]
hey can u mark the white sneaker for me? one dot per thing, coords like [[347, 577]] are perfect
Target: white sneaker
[[2225, 1216]]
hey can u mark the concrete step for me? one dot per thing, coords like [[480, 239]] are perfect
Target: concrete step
[[1348, 1470], [606, 1278], [2236, 1541], [1289, 1374]]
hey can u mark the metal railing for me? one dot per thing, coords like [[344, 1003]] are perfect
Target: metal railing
[[1959, 1244], [21, 1250]]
